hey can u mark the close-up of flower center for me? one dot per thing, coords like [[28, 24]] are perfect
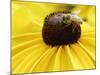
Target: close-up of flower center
[[61, 28]]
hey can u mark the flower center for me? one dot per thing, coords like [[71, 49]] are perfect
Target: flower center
[[60, 29]]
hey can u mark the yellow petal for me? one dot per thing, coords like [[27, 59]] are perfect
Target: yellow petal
[[79, 57], [62, 61], [83, 9], [84, 59], [46, 57], [57, 61], [27, 19], [76, 64], [20, 47], [43, 9], [30, 54], [90, 51], [91, 17], [18, 58], [21, 19], [25, 37], [86, 28]]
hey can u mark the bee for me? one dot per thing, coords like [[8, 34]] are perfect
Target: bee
[[61, 28], [72, 17]]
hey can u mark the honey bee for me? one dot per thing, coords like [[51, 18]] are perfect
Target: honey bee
[[72, 17]]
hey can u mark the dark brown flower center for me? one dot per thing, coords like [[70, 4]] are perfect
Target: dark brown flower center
[[56, 32]]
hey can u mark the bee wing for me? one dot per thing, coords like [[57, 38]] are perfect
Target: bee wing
[[77, 19], [76, 12]]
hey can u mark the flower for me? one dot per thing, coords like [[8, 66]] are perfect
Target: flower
[[31, 54]]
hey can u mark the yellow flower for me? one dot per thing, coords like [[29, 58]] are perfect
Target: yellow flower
[[31, 54]]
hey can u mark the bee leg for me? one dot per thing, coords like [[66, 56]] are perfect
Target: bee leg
[[74, 28]]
